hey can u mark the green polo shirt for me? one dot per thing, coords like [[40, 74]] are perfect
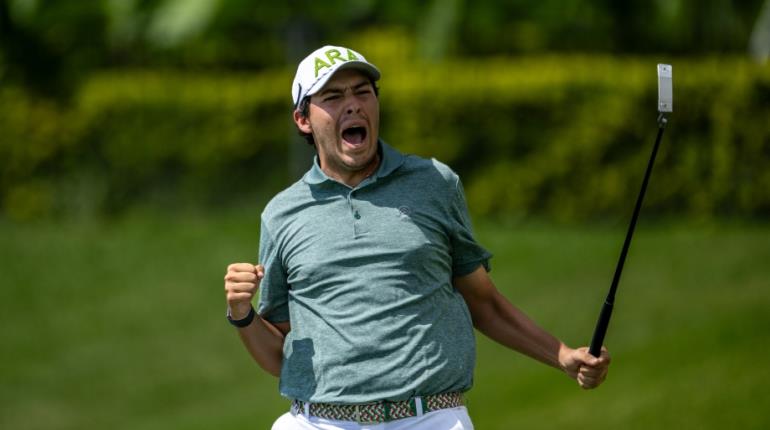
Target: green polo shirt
[[364, 275]]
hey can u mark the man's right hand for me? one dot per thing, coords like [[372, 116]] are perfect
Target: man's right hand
[[262, 339], [241, 284]]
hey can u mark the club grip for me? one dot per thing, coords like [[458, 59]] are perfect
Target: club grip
[[601, 329]]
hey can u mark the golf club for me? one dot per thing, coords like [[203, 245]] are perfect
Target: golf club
[[665, 104]]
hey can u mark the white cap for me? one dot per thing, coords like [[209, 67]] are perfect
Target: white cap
[[316, 69]]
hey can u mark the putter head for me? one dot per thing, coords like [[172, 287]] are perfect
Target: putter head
[[665, 88]]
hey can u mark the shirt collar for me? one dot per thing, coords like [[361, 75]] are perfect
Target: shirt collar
[[390, 160]]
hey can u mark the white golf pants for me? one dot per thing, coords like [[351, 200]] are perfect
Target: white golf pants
[[443, 419]]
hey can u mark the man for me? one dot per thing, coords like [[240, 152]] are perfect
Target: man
[[371, 280]]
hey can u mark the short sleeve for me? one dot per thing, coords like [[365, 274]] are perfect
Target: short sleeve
[[467, 254], [274, 289]]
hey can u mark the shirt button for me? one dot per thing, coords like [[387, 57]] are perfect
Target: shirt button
[[357, 215]]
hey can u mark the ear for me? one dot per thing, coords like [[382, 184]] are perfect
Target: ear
[[303, 123]]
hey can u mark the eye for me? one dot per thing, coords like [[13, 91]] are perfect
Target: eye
[[331, 97]]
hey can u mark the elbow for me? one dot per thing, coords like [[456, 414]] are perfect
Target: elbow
[[274, 371], [489, 316], [483, 317], [273, 367]]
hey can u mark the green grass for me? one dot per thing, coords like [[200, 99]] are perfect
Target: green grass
[[121, 325]]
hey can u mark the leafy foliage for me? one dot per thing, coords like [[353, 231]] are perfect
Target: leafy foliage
[[563, 137], [51, 47]]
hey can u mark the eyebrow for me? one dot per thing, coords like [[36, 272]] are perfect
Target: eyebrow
[[339, 90]]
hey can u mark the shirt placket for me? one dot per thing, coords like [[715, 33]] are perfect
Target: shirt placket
[[355, 213]]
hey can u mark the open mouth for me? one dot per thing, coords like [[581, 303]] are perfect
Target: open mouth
[[354, 135]]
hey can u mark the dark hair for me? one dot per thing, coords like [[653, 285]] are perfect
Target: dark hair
[[304, 111]]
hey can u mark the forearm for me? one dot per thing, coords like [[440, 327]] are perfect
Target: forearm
[[509, 326], [497, 318], [264, 342]]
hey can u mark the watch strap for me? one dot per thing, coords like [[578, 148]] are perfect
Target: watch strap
[[242, 322]]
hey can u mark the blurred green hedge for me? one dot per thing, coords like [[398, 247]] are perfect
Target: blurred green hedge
[[562, 137]]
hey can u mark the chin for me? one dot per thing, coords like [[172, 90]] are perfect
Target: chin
[[360, 159]]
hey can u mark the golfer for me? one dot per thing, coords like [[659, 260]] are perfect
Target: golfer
[[370, 279]]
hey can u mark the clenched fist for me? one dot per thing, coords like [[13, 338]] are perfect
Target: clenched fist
[[241, 284]]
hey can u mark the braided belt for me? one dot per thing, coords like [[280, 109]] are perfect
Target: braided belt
[[379, 412]]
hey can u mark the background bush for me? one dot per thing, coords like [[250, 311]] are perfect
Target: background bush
[[563, 137]]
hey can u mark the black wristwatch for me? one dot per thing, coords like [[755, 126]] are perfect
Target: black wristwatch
[[242, 322]]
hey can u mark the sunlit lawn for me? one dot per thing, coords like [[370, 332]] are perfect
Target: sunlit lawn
[[121, 325]]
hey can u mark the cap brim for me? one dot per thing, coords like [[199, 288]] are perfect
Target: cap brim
[[367, 68]]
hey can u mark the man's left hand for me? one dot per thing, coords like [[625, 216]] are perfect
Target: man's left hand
[[587, 370]]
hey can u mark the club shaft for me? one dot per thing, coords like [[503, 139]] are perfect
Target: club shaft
[[604, 317]]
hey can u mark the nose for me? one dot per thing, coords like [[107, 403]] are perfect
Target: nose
[[354, 108], [354, 105]]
